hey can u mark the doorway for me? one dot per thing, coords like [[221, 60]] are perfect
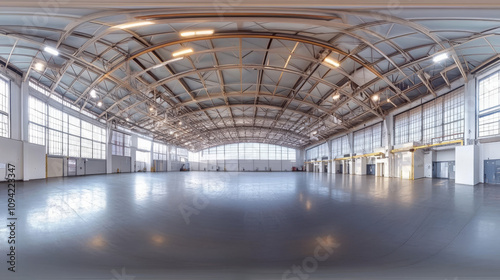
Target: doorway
[[72, 167], [443, 170], [370, 169], [492, 171]]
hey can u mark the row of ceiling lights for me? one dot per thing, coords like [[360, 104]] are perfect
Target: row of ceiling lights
[[178, 55]]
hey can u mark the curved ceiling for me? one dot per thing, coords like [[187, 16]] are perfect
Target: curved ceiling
[[260, 77]]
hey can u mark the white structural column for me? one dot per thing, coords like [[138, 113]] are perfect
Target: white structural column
[[470, 112], [350, 163], [109, 153], [388, 127], [331, 164], [169, 158], [133, 151], [467, 164], [25, 111]]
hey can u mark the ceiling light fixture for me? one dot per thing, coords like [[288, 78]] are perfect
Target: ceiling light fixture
[[171, 132], [151, 108], [180, 123], [440, 57], [332, 62], [127, 119], [51, 51], [182, 52], [134, 24], [375, 97], [336, 96], [93, 93], [197, 33], [99, 104], [39, 67]]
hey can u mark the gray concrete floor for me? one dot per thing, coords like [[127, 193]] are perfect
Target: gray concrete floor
[[220, 225]]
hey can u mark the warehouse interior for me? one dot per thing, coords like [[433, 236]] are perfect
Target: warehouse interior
[[249, 140]]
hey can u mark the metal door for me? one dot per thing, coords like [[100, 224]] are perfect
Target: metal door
[[451, 170], [370, 169], [492, 171], [440, 170], [71, 167]]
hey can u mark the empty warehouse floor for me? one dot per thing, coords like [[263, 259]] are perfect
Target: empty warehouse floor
[[229, 225]]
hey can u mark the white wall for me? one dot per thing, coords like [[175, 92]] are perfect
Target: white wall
[[95, 166], [11, 151], [467, 165], [124, 164], [429, 157], [55, 167], [445, 155], [360, 165], [418, 164], [34, 161]]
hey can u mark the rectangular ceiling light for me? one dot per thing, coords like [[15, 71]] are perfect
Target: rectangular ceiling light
[[197, 33], [182, 52], [440, 57], [51, 51], [332, 62], [134, 24]]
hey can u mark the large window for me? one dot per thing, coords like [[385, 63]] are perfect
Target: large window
[[120, 144], [489, 105], [367, 139], [159, 151], [37, 121], [143, 144], [317, 152], [64, 135], [247, 151], [4, 108], [436, 121]]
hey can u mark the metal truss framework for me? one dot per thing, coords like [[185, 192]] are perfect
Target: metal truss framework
[[260, 77]]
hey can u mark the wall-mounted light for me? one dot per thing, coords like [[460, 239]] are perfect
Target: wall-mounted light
[[51, 51], [332, 62], [197, 33], [182, 52], [134, 24]]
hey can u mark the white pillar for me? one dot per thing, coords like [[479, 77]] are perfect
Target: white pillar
[[109, 154]]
